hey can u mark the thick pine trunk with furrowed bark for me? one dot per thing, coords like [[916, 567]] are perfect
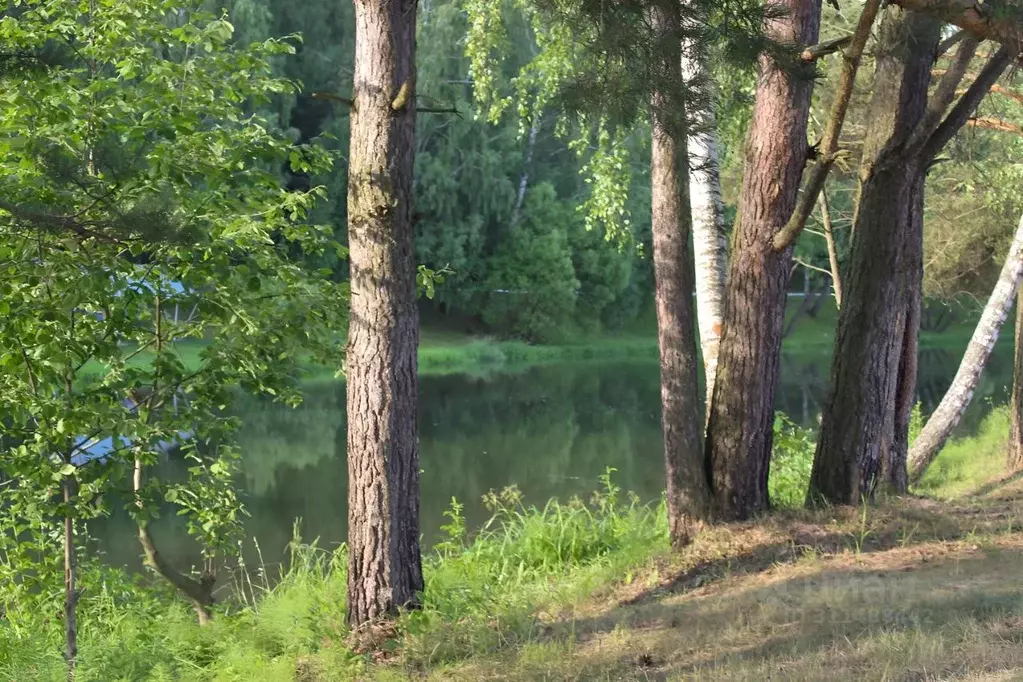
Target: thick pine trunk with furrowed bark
[[384, 564], [687, 491], [896, 475], [740, 428], [951, 408], [858, 421], [1016, 404]]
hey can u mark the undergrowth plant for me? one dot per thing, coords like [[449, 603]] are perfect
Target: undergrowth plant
[[483, 590], [791, 462], [142, 208]]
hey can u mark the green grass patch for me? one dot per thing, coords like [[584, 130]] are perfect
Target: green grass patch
[[487, 590], [966, 464], [483, 592]]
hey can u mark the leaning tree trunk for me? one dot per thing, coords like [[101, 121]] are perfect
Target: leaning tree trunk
[[857, 422], [1016, 428], [739, 435], [688, 494], [709, 238], [951, 408], [384, 564]]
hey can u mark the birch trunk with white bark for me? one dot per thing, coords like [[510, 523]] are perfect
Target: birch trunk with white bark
[[957, 398], [710, 243]]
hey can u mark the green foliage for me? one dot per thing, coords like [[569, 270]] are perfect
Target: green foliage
[[532, 285], [596, 67], [139, 188], [791, 462]]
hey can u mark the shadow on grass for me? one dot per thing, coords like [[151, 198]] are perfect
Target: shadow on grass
[[937, 620], [997, 485], [795, 535]]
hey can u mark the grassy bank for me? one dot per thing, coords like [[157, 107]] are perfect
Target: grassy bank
[[443, 351], [908, 589]]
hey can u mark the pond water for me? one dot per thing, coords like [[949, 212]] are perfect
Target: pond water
[[550, 430]]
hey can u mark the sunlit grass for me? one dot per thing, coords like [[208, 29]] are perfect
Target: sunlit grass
[[445, 351], [587, 589], [482, 592], [966, 464]]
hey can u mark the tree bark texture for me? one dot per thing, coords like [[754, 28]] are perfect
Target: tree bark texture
[[527, 164], [740, 430], [384, 562], [857, 424], [1016, 425], [688, 493], [896, 475], [951, 408], [710, 240]]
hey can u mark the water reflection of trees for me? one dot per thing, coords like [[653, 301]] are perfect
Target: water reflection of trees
[[805, 376], [550, 430]]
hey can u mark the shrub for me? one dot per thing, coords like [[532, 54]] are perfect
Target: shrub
[[791, 462]]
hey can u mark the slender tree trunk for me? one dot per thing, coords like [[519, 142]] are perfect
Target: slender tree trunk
[[70, 582], [710, 240], [857, 423], [896, 474], [526, 165], [740, 431], [199, 593], [1016, 428], [951, 408], [384, 563], [688, 493], [829, 237]]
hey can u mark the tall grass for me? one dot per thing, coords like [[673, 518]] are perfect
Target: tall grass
[[484, 588], [483, 591]]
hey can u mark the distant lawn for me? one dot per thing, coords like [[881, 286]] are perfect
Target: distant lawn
[[446, 351]]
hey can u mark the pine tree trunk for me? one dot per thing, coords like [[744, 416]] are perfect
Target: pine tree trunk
[[710, 241], [384, 564], [1016, 428], [951, 408], [688, 494], [858, 419], [896, 474], [740, 431]]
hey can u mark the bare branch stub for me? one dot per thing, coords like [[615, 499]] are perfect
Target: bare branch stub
[[814, 52]]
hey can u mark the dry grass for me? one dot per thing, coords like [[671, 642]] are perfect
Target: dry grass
[[911, 590]]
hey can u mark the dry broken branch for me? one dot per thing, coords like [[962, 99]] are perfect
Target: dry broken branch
[[815, 52], [990, 123], [829, 143]]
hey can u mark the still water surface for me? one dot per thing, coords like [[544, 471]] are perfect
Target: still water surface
[[550, 430]]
